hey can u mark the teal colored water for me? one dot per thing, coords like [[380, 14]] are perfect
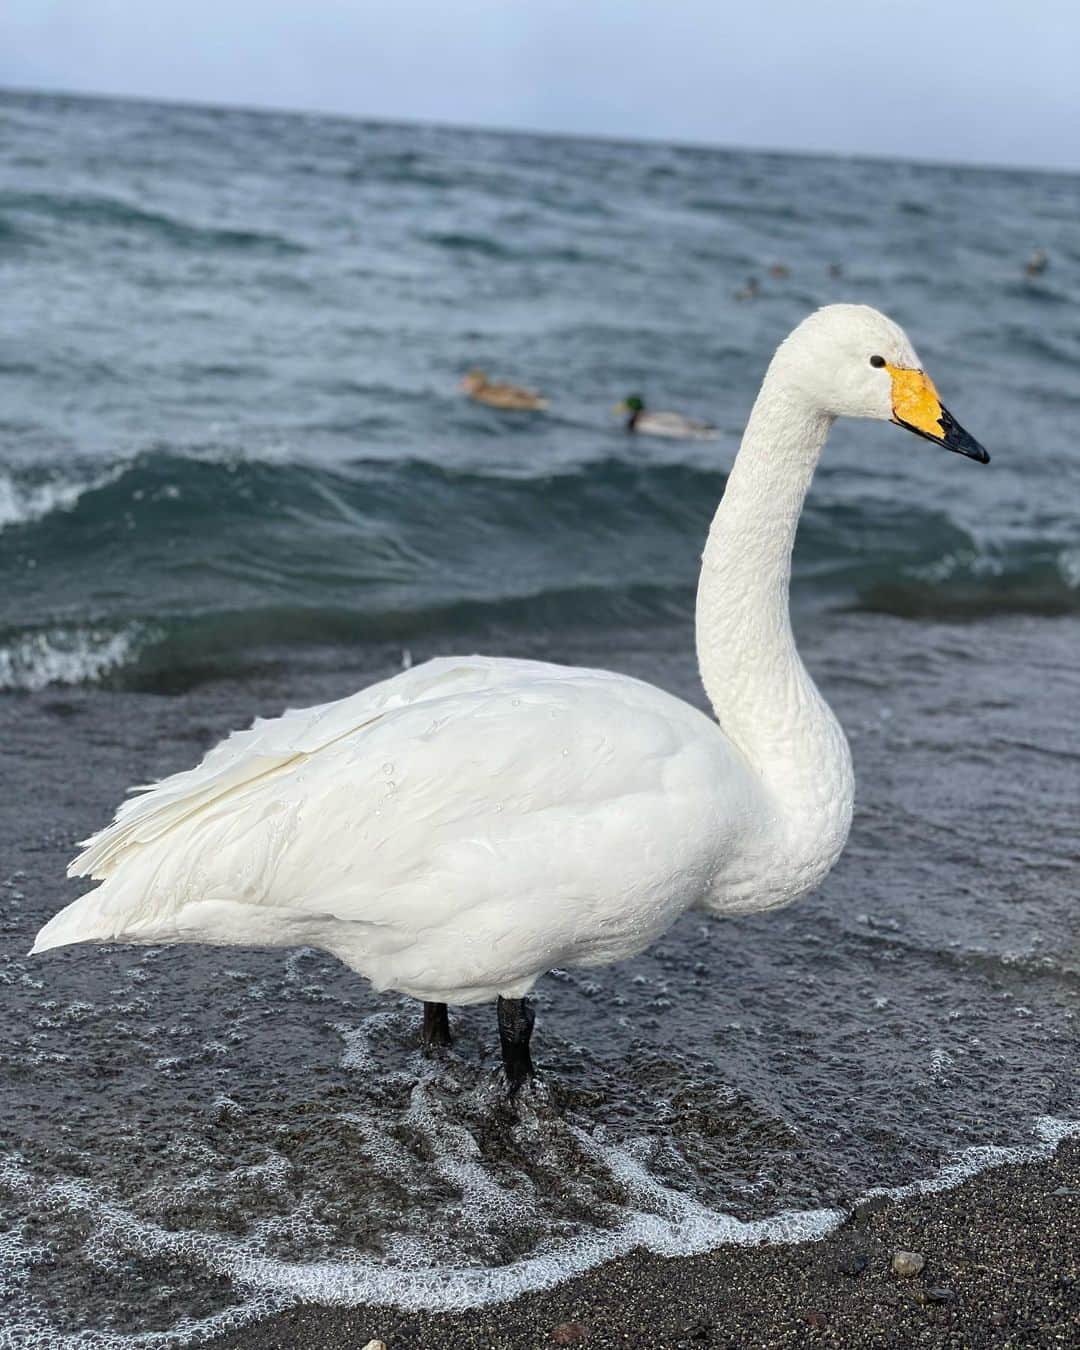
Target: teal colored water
[[229, 407]]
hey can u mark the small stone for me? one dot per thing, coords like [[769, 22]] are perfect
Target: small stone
[[908, 1263], [375, 1345], [938, 1294], [569, 1333], [854, 1264], [815, 1319], [866, 1208]]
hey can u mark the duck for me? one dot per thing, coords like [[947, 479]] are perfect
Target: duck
[[462, 828], [750, 291], [1037, 264], [498, 395], [670, 424]]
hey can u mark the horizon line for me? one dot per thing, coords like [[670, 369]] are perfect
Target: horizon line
[[535, 133]]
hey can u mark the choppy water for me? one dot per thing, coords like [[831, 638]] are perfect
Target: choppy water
[[235, 473], [232, 343]]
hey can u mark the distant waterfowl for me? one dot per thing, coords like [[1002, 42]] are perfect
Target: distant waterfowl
[[750, 291], [499, 395], [836, 269], [670, 424], [1037, 264], [458, 830], [779, 271]]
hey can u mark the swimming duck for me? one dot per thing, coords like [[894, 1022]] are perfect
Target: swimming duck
[[669, 424], [513, 396], [1037, 264], [458, 830], [750, 291]]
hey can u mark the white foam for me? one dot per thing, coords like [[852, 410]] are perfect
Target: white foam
[[358, 1053], [1048, 1130], [940, 1062], [25, 1326], [66, 656], [21, 503], [459, 1162], [659, 1219]]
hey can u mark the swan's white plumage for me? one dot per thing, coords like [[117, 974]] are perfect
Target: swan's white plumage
[[453, 832], [458, 830]]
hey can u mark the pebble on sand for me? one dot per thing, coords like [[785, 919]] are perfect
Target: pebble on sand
[[569, 1333], [936, 1294], [908, 1263], [375, 1345]]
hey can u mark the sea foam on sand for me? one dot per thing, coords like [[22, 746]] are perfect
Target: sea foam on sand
[[667, 1222]]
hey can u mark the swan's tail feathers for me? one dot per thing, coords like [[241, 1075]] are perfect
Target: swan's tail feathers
[[160, 807], [84, 920]]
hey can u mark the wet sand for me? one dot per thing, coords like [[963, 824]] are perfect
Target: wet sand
[[1002, 1269]]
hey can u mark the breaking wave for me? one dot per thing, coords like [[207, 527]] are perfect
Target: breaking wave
[[171, 561], [60, 656], [33, 494]]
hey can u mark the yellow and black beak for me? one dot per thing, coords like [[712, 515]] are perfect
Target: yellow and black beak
[[916, 405]]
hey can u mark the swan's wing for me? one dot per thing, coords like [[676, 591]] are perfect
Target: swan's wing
[[270, 746], [500, 798]]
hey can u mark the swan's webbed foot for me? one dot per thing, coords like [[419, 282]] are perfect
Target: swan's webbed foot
[[436, 1028], [516, 1019]]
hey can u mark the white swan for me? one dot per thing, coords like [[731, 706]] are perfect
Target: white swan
[[458, 830]]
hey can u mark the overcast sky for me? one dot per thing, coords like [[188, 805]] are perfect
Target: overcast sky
[[993, 81]]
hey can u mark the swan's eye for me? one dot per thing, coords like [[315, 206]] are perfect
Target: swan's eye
[[877, 362]]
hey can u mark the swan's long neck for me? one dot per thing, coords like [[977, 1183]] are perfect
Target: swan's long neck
[[762, 695]]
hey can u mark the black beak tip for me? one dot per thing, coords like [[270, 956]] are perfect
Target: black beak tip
[[969, 446], [954, 437]]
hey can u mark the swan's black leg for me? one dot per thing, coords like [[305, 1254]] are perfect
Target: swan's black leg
[[516, 1019], [436, 1025]]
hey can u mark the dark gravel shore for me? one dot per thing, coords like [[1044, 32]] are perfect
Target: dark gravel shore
[[1002, 1269], [922, 1004]]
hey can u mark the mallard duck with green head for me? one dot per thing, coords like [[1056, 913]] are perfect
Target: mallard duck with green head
[[671, 424]]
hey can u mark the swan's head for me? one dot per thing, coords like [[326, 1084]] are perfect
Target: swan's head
[[851, 361]]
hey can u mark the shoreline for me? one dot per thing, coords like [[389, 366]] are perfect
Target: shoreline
[[1002, 1252], [973, 1043]]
